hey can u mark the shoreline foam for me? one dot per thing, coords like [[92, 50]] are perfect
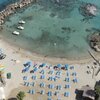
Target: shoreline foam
[[42, 58]]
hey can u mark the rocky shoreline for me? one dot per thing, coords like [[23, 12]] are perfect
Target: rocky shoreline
[[10, 9], [94, 41]]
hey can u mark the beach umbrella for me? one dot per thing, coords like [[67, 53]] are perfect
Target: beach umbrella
[[59, 73], [42, 72], [34, 77], [50, 78], [67, 73], [66, 66], [33, 83], [56, 93], [27, 84], [25, 78], [74, 74], [42, 84], [71, 67], [49, 93], [75, 80], [42, 92], [26, 69], [67, 86], [66, 94], [59, 87], [59, 65], [42, 77], [28, 63], [42, 65], [35, 69], [33, 91], [51, 86], [51, 72], [67, 79], [54, 78]]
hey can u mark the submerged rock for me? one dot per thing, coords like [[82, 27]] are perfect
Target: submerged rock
[[94, 41], [60, 8], [88, 10]]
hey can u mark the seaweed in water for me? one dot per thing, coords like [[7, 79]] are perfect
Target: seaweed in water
[[59, 8], [47, 37], [67, 29], [28, 18], [93, 30]]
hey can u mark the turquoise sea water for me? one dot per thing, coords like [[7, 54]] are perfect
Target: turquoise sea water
[[48, 24]]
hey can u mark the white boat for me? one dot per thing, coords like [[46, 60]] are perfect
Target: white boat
[[16, 33], [20, 27], [22, 22]]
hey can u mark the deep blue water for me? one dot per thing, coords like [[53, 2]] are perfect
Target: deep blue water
[[4, 3]]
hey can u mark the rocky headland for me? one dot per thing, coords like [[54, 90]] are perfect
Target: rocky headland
[[88, 10], [10, 9], [94, 41]]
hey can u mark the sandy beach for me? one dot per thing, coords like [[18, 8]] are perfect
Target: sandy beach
[[71, 79], [14, 64]]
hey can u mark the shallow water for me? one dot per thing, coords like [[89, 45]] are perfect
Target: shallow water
[[51, 30]]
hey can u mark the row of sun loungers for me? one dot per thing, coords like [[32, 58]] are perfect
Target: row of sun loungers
[[49, 93], [67, 79], [50, 86]]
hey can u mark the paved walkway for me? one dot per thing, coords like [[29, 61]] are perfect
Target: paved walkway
[[2, 94]]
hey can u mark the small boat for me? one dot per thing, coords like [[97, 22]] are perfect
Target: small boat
[[22, 22], [16, 33], [20, 27]]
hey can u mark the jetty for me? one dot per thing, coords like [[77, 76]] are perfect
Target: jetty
[[10, 9]]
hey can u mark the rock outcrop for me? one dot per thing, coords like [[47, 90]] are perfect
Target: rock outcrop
[[94, 41], [88, 10]]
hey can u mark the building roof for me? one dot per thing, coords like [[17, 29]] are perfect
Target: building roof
[[88, 92]]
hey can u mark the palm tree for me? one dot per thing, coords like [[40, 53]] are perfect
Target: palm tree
[[20, 95]]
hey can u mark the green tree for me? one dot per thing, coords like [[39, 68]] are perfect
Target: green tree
[[20, 95], [97, 90]]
